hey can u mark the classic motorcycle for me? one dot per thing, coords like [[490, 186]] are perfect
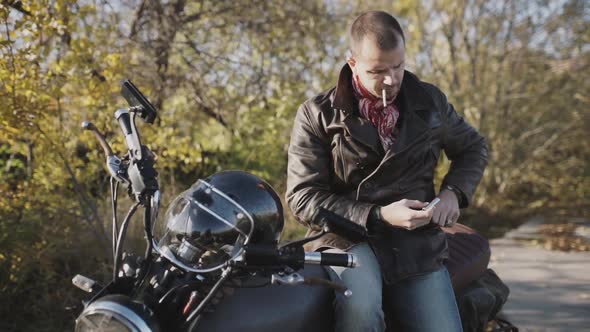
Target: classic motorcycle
[[215, 263]]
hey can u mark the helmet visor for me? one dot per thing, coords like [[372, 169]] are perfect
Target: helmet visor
[[204, 229]]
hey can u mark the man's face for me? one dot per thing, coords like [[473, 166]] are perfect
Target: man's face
[[379, 69]]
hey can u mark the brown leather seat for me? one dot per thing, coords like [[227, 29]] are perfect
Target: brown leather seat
[[469, 255]]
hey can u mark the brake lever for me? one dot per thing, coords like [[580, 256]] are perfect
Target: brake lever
[[295, 278], [114, 164], [290, 279]]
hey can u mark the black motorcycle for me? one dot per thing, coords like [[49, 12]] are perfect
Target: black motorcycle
[[215, 263]]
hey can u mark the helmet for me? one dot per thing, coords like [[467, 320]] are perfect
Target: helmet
[[209, 224]]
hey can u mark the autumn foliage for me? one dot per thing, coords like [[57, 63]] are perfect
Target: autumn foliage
[[227, 77]]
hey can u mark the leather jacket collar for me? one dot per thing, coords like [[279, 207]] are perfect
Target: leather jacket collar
[[415, 97]]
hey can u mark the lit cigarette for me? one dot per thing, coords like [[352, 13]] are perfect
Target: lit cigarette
[[384, 97]]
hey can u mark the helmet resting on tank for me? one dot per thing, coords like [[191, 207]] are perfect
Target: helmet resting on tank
[[208, 224]]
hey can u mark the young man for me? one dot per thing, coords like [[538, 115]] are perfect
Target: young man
[[367, 149]]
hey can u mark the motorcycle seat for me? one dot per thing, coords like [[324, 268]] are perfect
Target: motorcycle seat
[[469, 255]]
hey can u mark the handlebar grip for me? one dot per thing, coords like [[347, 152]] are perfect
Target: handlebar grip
[[332, 259], [266, 255], [124, 119], [130, 132]]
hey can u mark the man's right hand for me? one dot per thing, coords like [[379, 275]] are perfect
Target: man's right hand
[[406, 214]]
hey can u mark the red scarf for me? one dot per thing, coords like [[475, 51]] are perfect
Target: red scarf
[[372, 109]]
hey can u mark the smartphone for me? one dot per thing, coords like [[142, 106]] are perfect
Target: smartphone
[[135, 98], [431, 204]]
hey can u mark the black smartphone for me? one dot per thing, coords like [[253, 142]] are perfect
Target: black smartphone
[[135, 98]]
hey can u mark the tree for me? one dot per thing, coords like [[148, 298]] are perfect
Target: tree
[[509, 67]]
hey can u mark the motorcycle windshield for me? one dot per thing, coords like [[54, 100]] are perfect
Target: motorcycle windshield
[[204, 229]]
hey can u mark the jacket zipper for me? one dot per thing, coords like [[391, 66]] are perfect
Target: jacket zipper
[[416, 141]]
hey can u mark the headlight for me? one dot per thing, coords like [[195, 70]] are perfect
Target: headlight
[[116, 313]]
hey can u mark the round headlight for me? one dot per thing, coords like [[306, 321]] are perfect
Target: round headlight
[[116, 313]]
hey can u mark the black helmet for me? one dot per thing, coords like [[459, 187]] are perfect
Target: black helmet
[[209, 224]]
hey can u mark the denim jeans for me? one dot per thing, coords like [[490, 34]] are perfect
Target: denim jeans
[[417, 304]]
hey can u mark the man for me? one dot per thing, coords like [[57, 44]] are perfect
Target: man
[[367, 150]]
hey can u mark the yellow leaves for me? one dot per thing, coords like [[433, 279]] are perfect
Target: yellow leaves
[[113, 59], [82, 44], [537, 204], [85, 10], [58, 26], [40, 245], [4, 11], [15, 267], [9, 87]]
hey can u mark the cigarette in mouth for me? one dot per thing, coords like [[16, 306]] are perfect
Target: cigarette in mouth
[[384, 97]]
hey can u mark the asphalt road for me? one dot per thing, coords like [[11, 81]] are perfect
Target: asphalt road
[[549, 290]]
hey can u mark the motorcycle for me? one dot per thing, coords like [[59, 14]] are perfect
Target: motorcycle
[[215, 263]]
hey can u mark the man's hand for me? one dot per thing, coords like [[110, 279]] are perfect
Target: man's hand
[[446, 212], [406, 214]]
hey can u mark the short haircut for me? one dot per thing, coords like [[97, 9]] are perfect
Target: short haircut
[[381, 26]]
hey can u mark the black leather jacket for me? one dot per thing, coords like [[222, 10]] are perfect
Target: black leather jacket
[[336, 161]]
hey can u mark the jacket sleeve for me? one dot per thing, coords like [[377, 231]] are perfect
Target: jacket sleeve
[[309, 174], [466, 149]]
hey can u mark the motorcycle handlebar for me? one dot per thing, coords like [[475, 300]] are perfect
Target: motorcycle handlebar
[[87, 125], [296, 257], [332, 259], [296, 279], [129, 130]]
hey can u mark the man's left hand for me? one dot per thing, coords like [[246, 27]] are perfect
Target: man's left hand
[[446, 212]]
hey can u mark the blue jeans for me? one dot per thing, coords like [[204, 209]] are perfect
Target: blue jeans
[[417, 304]]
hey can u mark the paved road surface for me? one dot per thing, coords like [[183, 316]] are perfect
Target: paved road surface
[[549, 290]]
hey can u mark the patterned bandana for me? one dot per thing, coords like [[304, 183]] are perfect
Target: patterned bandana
[[372, 109]]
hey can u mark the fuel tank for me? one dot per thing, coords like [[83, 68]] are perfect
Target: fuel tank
[[274, 308]]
